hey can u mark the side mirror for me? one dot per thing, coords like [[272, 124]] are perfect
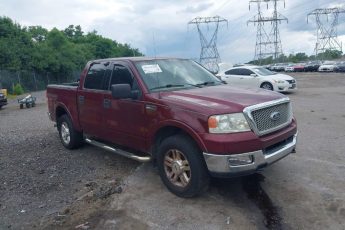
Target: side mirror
[[253, 75], [121, 91]]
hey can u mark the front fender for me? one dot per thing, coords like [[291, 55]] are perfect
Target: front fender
[[180, 125]]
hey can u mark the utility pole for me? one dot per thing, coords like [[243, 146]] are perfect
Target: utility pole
[[209, 56], [326, 32], [267, 44]]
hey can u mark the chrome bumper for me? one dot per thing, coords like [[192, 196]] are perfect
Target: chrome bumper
[[220, 164]]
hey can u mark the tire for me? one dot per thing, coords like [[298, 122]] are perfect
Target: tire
[[179, 154], [70, 138], [21, 106], [266, 85], [28, 105]]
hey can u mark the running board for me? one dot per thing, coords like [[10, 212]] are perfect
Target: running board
[[118, 151]]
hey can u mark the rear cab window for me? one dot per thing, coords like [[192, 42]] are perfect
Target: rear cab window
[[97, 77]]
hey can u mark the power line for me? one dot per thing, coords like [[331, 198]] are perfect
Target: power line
[[209, 56], [326, 32], [267, 44]]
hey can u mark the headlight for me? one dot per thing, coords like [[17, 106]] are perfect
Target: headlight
[[228, 123], [279, 81]]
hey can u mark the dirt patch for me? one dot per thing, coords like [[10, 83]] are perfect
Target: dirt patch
[[92, 211]]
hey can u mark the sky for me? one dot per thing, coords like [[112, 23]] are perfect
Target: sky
[[160, 27]]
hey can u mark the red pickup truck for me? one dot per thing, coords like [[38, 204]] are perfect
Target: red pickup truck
[[177, 114]]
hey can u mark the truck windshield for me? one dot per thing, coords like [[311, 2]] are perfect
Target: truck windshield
[[174, 74]]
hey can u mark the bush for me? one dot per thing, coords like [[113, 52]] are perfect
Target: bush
[[18, 89]]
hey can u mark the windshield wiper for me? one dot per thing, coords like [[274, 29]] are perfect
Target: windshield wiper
[[174, 85], [206, 83], [167, 86]]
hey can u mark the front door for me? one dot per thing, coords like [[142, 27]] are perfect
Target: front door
[[247, 79], [124, 119]]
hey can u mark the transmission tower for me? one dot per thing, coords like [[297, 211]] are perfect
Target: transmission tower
[[267, 44], [326, 33], [209, 56]]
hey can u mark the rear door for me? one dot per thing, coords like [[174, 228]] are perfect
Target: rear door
[[90, 99], [125, 121]]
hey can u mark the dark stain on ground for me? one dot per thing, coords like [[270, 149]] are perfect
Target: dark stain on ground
[[251, 185], [233, 188]]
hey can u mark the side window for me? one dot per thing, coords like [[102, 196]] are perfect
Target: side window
[[232, 72], [246, 72], [95, 77], [121, 75]]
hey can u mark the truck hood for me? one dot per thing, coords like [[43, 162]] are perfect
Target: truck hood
[[217, 99]]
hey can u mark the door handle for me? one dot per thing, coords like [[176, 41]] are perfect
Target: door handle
[[81, 100], [106, 103]]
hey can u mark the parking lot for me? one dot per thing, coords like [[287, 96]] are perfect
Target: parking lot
[[44, 186]]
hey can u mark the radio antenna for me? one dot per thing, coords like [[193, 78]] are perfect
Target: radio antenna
[[154, 45]]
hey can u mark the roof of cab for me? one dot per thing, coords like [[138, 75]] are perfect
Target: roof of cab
[[135, 59]]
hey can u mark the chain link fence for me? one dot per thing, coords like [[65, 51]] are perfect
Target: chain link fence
[[33, 81]]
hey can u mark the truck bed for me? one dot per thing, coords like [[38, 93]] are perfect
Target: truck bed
[[65, 96]]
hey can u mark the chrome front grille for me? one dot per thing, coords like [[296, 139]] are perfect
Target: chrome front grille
[[270, 116]]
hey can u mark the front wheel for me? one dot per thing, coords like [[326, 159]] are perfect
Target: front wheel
[[267, 86], [182, 167], [70, 138]]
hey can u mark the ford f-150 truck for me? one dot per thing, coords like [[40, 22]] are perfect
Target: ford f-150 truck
[[177, 114]]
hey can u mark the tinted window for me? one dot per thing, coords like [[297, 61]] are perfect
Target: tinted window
[[121, 75], [95, 77], [233, 72], [246, 72]]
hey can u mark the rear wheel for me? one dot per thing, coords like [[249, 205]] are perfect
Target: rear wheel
[[267, 85], [182, 167], [70, 138]]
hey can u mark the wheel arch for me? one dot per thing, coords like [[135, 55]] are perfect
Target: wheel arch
[[60, 110], [170, 129], [267, 82]]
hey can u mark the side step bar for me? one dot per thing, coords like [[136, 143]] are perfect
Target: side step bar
[[118, 151]]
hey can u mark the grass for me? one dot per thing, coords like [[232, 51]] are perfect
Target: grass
[[11, 96]]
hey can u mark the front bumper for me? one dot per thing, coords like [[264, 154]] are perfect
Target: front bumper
[[286, 87], [220, 165]]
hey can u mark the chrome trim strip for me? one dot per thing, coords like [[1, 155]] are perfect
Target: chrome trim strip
[[219, 163], [118, 151], [248, 114]]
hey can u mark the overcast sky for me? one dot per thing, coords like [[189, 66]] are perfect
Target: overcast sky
[[160, 26]]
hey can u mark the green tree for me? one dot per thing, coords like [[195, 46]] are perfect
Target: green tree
[[57, 52]]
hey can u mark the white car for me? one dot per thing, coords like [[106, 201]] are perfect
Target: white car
[[327, 66], [290, 68], [256, 76]]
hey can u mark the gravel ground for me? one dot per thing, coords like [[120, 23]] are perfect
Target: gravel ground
[[44, 186], [39, 177]]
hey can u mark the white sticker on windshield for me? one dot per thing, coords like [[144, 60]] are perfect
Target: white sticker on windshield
[[151, 69]]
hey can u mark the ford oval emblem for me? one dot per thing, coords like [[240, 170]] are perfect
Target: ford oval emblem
[[275, 116]]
